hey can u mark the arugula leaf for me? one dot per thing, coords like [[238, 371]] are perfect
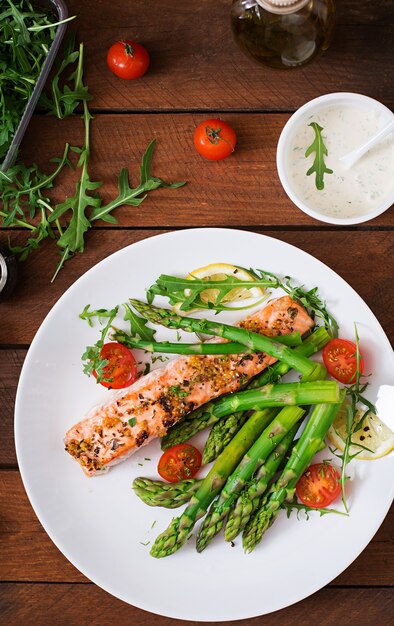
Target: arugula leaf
[[290, 506], [72, 239], [101, 314], [91, 357], [138, 325], [175, 289], [319, 167], [22, 190], [129, 196], [63, 102], [188, 293]]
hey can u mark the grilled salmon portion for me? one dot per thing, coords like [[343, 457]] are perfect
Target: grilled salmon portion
[[147, 409]]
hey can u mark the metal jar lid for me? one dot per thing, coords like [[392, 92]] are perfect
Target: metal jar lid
[[8, 273], [282, 6]]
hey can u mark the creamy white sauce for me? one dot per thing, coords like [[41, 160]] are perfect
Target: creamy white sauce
[[347, 193]]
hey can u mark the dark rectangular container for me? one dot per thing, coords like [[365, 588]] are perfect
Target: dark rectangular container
[[59, 9]]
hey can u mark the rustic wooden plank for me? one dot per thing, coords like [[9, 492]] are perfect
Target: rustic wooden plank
[[242, 190], [350, 253], [196, 65], [29, 555], [76, 604], [11, 362]]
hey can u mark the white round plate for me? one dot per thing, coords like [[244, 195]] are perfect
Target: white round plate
[[102, 527]]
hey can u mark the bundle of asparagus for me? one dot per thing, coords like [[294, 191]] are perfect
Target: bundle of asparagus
[[249, 447]]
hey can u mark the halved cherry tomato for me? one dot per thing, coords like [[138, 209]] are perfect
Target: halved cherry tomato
[[121, 370], [339, 356], [319, 485], [179, 462], [215, 140], [128, 59]]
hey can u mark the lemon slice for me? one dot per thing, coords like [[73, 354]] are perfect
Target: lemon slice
[[374, 435], [219, 271]]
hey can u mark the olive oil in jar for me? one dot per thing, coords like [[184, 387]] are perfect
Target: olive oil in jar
[[283, 33]]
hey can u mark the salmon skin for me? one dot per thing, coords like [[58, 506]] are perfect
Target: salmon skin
[[137, 414]]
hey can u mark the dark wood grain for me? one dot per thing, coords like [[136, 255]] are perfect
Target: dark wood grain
[[243, 190], [29, 555], [11, 362], [196, 65], [85, 604], [364, 259], [195, 68]]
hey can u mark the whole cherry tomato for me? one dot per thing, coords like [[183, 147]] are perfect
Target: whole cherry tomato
[[128, 59], [215, 140]]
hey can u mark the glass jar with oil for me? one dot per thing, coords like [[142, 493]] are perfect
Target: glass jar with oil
[[283, 33]]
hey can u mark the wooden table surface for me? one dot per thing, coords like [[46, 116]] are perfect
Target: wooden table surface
[[196, 70]]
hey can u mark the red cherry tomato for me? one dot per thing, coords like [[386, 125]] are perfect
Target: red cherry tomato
[[121, 370], [128, 59], [215, 140], [319, 485], [179, 462], [339, 356]]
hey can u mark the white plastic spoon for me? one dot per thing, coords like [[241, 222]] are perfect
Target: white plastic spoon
[[349, 159]]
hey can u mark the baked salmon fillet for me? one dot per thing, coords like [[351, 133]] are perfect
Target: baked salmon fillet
[[133, 416]]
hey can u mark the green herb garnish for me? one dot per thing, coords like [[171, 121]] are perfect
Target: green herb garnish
[[177, 391], [174, 288], [91, 357], [132, 421], [319, 148], [355, 392], [146, 369], [101, 314], [290, 506], [138, 325]]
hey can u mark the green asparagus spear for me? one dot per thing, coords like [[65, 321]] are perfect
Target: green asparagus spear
[[176, 534], [282, 394], [253, 341], [199, 419], [225, 347], [250, 499], [287, 423], [221, 434], [302, 454], [167, 495], [268, 396]]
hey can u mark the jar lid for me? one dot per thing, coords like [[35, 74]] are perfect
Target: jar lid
[[8, 272], [282, 6]]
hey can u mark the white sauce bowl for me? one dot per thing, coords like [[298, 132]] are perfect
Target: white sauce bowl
[[303, 117]]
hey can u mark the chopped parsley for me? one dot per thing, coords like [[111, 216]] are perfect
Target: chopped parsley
[[147, 369], [161, 358], [175, 390]]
